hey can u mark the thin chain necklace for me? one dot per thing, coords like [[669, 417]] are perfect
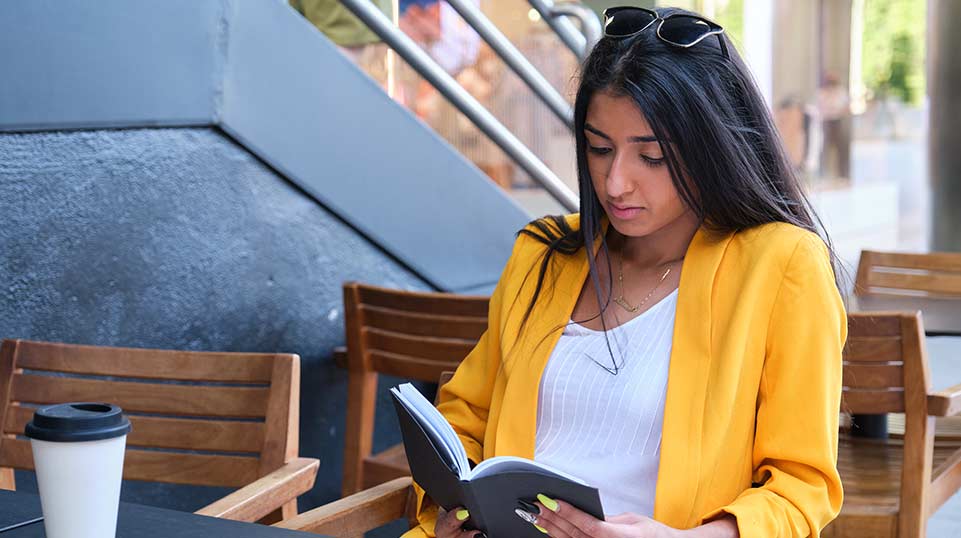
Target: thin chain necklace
[[620, 280]]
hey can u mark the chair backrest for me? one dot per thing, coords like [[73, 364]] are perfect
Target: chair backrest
[[886, 371], [883, 362], [215, 419], [411, 335], [937, 274]]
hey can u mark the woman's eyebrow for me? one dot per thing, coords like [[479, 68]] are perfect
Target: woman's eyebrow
[[631, 139]]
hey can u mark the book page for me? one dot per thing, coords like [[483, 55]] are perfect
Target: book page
[[442, 435], [501, 464]]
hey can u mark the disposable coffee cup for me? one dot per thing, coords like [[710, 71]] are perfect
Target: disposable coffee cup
[[78, 456]]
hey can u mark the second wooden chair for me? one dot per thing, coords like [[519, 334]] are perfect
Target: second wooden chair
[[412, 335]]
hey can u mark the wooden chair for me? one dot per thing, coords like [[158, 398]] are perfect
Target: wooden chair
[[935, 274], [405, 334], [356, 514], [928, 282], [892, 486], [213, 419]]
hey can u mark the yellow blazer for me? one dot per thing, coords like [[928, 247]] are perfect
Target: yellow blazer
[[753, 389]]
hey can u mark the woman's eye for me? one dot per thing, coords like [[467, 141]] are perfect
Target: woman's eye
[[598, 150], [651, 161]]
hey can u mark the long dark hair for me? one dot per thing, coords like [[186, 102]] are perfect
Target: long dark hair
[[722, 139]]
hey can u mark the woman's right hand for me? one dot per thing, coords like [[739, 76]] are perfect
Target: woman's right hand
[[450, 524]]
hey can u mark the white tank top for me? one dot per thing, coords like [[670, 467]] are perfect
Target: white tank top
[[602, 428]]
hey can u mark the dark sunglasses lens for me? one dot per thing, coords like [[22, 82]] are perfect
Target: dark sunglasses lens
[[683, 30], [624, 22]]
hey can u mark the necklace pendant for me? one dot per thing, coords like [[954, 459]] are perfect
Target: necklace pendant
[[623, 304]]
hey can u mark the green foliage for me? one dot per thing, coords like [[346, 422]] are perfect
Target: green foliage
[[731, 17], [893, 53]]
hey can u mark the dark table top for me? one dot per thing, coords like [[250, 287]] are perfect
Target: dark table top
[[135, 521]]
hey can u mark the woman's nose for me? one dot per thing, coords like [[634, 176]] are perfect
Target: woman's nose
[[618, 179]]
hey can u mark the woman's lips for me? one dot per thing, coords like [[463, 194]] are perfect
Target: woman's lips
[[625, 212]]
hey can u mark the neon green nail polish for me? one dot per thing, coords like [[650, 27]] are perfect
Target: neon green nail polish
[[551, 504], [542, 529], [462, 515]]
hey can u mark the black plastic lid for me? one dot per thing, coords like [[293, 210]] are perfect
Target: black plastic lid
[[79, 421]]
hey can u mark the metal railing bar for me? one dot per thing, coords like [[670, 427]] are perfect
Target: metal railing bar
[[563, 27], [591, 27], [464, 101], [515, 60]]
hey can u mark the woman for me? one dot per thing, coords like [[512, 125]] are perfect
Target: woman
[[678, 342]]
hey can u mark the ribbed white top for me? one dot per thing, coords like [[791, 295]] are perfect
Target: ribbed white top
[[602, 428]]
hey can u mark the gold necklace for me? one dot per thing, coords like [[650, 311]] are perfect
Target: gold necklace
[[620, 280]]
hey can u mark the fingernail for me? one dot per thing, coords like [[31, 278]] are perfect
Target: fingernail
[[526, 516], [480, 535], [542, 529], [462, 515], [529, 507], [551, 504]]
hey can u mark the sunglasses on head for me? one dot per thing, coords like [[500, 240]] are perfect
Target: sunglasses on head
[[679, 30]]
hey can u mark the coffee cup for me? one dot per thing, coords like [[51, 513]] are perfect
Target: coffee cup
[[78, 451]]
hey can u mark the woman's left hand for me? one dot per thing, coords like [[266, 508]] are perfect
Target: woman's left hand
[[561, 520]]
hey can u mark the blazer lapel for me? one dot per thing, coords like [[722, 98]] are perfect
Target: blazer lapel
[[680, 460]]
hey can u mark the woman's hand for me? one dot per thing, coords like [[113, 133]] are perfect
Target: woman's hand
[[559, 519], [450, 524]]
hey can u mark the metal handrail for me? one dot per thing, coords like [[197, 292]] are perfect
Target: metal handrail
[[464, 101], [590, 25], [515, 60], [563, 27]]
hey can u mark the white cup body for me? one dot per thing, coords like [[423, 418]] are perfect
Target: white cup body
[[79, 486]]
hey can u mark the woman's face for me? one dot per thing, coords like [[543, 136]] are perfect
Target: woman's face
[[628, 169]]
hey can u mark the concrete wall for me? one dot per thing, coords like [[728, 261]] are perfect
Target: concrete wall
[[179, 238]]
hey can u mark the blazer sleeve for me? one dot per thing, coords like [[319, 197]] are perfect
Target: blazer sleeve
[[465, 399], [796, 435]]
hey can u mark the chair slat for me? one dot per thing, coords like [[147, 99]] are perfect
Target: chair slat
[[872, 402], [873, 376], [145, 363], [410, 367], [434, 303], [872, 349], [160, 432], [862, 325], [249, 402], [937, 283], [157, 466], [947, 262], [467, 328], [423, 347]]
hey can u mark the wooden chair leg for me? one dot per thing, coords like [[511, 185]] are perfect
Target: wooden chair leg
[[283, 513], [359, 430], [7, 479]]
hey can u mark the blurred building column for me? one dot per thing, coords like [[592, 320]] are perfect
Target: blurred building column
[[944, 139], [758, 47]]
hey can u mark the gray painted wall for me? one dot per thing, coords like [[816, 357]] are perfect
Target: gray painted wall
[[179, 238], [260, 72]]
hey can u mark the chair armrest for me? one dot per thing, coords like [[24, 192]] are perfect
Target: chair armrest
[[340, 357], [355, 514], [266, 494], [945, 403]]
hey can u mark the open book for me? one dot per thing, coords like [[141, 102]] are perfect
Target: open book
[[490, 490]]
